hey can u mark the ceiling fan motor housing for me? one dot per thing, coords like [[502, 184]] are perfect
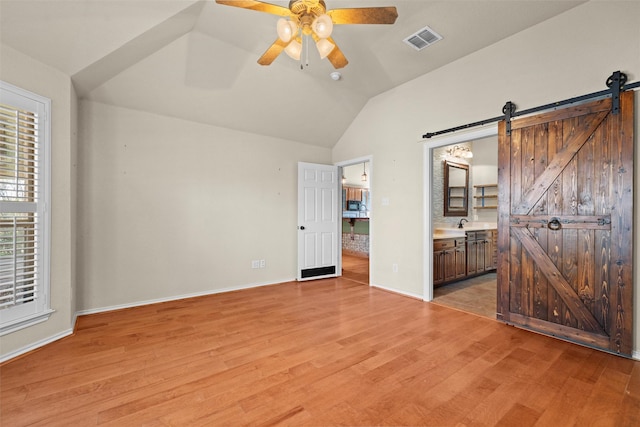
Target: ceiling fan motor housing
[[312, 8]]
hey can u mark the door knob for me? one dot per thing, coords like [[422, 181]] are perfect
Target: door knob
[[301, 227]]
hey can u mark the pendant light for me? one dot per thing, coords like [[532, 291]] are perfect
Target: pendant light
[[364, 173]]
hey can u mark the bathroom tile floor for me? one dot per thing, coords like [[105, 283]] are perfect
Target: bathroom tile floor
[[476, 295]]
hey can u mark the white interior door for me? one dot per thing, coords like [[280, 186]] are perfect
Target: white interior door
[[318, 221]]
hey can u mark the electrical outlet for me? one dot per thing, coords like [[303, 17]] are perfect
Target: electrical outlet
[[394, 267], [263, 263], [255, 264]]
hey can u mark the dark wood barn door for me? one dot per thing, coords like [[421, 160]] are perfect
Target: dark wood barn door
[[565, 224]]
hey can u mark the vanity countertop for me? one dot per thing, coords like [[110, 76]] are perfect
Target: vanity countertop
[[448, 233], [453, 232], [479, 227], [438, 236]]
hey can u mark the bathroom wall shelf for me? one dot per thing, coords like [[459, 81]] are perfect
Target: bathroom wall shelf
[[486, 196]]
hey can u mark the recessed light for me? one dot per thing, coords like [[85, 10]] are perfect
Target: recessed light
[[335, 75]]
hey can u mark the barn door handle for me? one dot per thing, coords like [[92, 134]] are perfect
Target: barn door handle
[[554, 224]]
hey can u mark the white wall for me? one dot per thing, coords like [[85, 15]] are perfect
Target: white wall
[[170, 207], [26, 73], [555, 60]]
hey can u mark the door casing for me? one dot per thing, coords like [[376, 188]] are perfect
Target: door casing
[[428, 195]]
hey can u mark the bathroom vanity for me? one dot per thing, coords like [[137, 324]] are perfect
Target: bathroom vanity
[[460, 254]]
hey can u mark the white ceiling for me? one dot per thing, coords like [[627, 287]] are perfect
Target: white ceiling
[[197, 59]]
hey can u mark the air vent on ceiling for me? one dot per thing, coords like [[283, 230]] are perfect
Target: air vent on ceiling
[[422, 38]]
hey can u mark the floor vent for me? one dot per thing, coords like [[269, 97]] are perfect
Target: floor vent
[[422, 38]]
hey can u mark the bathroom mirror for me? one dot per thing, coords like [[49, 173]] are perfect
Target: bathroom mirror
[[456, 189]]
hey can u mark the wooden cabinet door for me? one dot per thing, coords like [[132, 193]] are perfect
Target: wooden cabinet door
[[461, 261], [488, 264], [472, 254], [488, 253], [438, 268], [481, 245], [449, 257], [565, 224]]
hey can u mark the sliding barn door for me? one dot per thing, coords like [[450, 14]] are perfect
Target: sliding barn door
[[565, 224]]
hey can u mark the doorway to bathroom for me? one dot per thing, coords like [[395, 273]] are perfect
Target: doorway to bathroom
[[462, 223]]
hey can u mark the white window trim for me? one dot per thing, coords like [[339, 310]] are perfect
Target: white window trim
[[44, 310]]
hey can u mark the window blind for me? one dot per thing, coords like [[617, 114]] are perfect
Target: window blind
[[19, 222]]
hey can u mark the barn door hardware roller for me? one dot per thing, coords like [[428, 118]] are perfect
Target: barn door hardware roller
[[508, 110], [616, 83]]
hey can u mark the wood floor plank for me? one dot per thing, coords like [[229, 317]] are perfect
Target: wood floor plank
[[519, 415], [327, 352]]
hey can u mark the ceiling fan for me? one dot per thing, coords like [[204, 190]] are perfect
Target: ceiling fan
[[310, 18]]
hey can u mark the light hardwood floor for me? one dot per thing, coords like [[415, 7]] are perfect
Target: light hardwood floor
[[327, 352], [355, 268]]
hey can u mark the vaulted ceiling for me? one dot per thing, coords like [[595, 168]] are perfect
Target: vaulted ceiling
[[197, 59]]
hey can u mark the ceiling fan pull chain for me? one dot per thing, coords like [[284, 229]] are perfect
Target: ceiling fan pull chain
[[302, 38], [306, 49]]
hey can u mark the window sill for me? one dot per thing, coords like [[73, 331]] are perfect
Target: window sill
[[25, 322]]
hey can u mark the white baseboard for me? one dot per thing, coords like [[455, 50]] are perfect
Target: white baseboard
[[396, 291], [37, 344], [636, 355], [179, 297]]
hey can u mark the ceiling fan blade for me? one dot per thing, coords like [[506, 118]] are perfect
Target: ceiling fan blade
[[272, 53], [364, 15], [336, 57], [257, 6]]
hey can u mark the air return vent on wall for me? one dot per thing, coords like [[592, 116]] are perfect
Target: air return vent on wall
[[422, 38]]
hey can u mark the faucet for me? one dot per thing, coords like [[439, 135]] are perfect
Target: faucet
[[460, 223]]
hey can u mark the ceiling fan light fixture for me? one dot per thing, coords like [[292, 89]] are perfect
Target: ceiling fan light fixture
[[286, 29], [322, 26], [312, 19], [324, 47], [294, 49]]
